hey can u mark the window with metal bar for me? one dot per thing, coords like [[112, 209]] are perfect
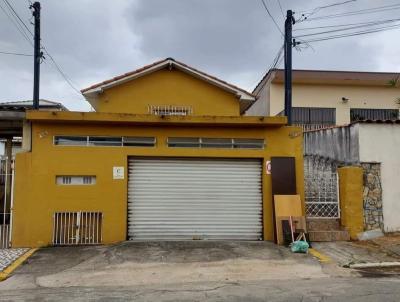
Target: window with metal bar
[[312, 116], [170, 110], [70, 140], [104, 141], [215, 142], [138, 141], [248, 143], [228, 143], [357, 114], [190, 142], [75, 180]]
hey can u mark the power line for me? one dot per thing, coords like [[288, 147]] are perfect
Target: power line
[[15, 54], [277, 59], [17, 25], [357, 12], [347, 24], [280, 7], [57, 66], [19, 18], [318, 8], [62, 73], [345, 29], [353, 34], [273, 19]]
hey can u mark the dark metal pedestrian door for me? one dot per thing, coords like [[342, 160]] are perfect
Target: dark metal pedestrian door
[[189, 199]]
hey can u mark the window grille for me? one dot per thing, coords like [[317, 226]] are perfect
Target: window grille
[[170, 110], [229, 143], [373, 114], [104, 141], [77, 228], [139, 141], [75, 180], [314, 118], [71, 140]]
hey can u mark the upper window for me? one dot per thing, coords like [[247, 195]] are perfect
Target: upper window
[[229, 143], [373, 114], [314, 116], [118, 141], [170, 110]]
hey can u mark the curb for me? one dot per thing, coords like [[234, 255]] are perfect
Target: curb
[[374, 265], [9, 269], [321, 257]]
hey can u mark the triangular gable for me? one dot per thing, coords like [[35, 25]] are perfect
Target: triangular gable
[[246, 98]]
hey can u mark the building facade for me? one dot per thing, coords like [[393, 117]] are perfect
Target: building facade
[[327, 98], [167, 155]]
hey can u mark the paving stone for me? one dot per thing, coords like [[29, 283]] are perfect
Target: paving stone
[[8, 256]]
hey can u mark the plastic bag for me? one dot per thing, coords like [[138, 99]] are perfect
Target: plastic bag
[[299, 246]]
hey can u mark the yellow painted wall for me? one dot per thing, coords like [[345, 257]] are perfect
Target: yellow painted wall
[[330, 96], [351, 199], [167, 87], [37, 196]]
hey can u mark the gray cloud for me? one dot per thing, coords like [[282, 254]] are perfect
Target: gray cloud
[[232, 39]]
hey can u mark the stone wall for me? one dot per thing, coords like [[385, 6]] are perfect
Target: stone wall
[[373, 216]]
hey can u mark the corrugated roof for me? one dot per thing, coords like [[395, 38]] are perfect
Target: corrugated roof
[[28, 104]]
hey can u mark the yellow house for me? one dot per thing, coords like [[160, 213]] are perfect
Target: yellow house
[[326, 98], [168, 155]]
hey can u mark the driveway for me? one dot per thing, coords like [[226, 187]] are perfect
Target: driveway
[[185, 271]]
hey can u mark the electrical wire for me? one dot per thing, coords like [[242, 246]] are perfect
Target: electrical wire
[[19, 18], [277, 59], [62, 73], [357, 12], [17, 25], [273, 19], [15, 54], [345, 29], [280, 7], [347, 25], [354, 34], [319, 8], [57, 66]]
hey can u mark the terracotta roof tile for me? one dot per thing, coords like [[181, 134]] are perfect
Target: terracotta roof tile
[[131, 73]]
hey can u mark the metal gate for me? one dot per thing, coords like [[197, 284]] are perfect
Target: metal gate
[[77, 228], [321, 188], [6, 200]]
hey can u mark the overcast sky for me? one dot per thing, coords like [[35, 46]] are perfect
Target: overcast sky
[[235, 40]]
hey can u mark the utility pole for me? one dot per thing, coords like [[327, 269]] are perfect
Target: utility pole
[[37, 55], [288, 44]]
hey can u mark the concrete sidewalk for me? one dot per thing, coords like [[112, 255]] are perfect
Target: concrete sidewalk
[[188, 271], [345, 253], [141, 263]]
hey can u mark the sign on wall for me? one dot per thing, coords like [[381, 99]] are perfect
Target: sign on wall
[[118, 172], [268, 167]]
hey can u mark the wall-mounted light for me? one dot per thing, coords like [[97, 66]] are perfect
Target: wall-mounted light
[[345, 100]]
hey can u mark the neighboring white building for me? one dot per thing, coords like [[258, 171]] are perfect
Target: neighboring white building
[[326, 98], [375, 146]]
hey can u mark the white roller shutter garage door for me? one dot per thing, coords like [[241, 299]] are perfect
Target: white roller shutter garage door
[[186, 199]]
